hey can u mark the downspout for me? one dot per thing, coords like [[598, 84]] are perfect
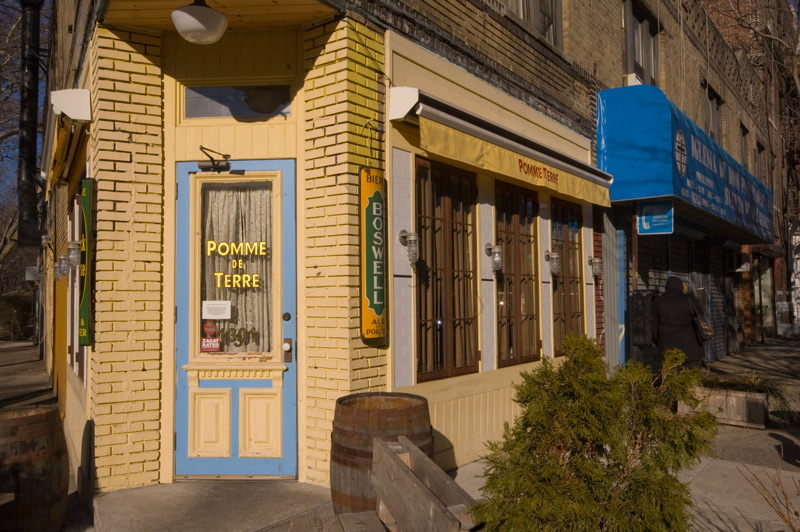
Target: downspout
[[28, 233]]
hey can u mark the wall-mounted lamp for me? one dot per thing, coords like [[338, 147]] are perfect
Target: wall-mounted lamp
[[45, 240], [597, 266], [73, 253], [496, 252], [61, 267], [554, 259], [199, 24], [410, 241]]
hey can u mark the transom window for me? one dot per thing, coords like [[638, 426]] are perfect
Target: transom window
[[517, 293], [256, 101], [446, 297], [543, 15]]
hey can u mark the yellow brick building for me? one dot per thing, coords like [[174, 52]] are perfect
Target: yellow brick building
[[220, 305]]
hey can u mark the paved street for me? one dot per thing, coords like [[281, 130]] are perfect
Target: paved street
[[725, 500]]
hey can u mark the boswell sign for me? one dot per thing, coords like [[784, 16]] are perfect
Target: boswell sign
[[373, 254]]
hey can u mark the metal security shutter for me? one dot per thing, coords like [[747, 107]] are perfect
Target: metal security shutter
[[717, 314], [653, 264], [679, 258]]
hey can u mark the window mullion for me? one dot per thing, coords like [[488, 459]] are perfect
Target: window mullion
[[447, 277]]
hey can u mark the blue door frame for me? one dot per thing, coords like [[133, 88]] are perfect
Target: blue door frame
[[286, 464]]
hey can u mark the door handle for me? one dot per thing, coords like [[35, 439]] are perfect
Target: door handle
[[287, 349]]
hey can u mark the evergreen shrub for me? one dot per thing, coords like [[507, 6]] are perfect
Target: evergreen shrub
[[596, 449]]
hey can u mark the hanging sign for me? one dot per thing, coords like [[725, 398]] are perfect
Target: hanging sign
[[85, 279], [655, 217], [373, 254]]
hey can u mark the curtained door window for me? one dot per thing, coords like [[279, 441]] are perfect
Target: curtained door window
[[568, 284], [236, 271]]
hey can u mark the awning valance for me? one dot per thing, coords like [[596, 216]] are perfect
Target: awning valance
[[654, 150], [458, 135], [449, 143]]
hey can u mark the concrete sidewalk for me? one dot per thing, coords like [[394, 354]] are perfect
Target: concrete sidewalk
[[724, 498]]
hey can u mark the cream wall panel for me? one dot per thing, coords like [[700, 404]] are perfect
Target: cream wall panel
[[486, 304], [260, 423], [402, 307], [468, 411], [546, 276], [210, 423], [587, 242]]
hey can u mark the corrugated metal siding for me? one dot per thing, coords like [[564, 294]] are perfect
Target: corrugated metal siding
[[717, 312], [731, 316], [611, 291]]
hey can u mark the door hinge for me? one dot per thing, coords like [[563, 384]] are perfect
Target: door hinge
[[176, 190], [176, 313], [174, 441]]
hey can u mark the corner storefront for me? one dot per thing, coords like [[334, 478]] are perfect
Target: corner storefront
[[501, 202]]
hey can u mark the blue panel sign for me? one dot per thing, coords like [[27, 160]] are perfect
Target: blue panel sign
[[655, 218], [654, 150]]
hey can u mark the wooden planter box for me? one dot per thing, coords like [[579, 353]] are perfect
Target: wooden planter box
[[745, 409]]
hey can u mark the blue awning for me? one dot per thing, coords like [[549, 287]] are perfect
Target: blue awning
[[654, 150]]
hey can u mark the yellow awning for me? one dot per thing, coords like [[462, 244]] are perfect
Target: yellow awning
[[445, 141]]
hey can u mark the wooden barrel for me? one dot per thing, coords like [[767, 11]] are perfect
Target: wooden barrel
[[358, 419], [33, 464]]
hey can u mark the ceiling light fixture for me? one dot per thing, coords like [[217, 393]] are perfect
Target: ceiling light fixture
[[199, 24]]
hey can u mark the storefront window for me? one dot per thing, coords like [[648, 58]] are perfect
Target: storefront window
[[236, 267], [568, 284], [517, 291], [447, 334]]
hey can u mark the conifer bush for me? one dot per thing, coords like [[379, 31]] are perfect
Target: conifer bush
[[596, 449]]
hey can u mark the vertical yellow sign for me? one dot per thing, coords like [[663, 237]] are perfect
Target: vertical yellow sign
[[373, 254]]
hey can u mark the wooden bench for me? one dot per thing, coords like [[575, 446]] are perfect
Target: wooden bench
[[414, 495], [360, 522]]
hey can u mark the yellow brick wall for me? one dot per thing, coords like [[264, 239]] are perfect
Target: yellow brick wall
[[126, 150], [344, 95]]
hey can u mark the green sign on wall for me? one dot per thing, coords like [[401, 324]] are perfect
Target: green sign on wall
[[373, 254], [85, 309]]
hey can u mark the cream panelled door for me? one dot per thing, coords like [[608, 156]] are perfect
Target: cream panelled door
[[236, 408]]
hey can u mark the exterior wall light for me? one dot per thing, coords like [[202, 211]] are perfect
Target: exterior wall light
[[411, 241], [74, 253], [554, 259], [596, 265], [62, 267], [198, 23], [496, 252]]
